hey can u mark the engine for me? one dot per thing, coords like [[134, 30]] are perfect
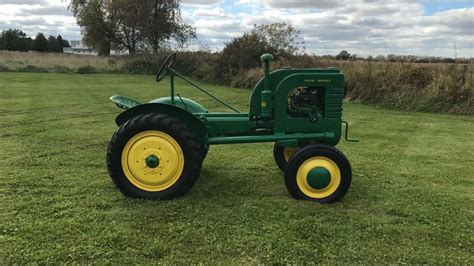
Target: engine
[[306, 102]]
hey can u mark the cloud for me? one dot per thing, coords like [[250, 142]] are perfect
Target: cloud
[[360, 26], [49, 17], [23, 2], [45, 10], [200, 2], [322, 4], [29, 21], [211, 12], [372, 27]]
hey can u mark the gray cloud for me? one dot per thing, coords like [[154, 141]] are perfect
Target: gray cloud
[[200, 2], [360, 26], [29, 21], [46, 10], [322, 4], [23, 2]]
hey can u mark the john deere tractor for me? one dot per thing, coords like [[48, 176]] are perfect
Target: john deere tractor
[[159, 146]]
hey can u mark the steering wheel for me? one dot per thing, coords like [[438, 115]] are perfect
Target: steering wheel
[[167, 64]]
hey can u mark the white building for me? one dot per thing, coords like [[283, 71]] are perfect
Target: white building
[[77, 47]]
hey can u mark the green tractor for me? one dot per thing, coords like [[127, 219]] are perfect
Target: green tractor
[[158, 149]]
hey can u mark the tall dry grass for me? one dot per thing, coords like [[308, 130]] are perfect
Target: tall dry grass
[[58, 62], [432, 87]]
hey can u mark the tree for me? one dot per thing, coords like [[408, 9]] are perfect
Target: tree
[[162, 22], [62, 42], [343, 55], [97, 23], [241, 53], [281, 37], [130, 24], [128, 14], [379, 58], [54, 46], [392, 58], [14, 40], [40, 43]]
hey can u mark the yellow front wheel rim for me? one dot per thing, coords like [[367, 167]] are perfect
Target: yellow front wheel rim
[[322, 164], [152, 161]]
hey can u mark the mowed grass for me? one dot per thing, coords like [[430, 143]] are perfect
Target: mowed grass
[[410, 200]]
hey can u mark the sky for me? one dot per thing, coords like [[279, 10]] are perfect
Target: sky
[[363, 27]]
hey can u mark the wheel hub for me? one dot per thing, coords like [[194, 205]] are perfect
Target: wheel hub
[[152, 161], [318, 178]]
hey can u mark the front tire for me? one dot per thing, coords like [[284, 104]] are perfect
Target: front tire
[[154, 156], [318, 173]]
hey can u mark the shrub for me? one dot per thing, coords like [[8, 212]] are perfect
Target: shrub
[[62, 69], [239, 55], [247, 79], [32, 68], [142, 65], [4, 68], [86, 70]]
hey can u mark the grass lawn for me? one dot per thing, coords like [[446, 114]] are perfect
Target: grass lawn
[[410, 200]]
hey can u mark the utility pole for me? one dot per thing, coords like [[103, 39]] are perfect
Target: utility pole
[[455, 51]]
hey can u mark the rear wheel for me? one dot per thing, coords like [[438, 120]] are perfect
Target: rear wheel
[[154, 156], [318, 173], [282, 154]]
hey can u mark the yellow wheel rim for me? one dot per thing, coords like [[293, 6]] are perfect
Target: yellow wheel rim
[[152, 160], [327, 165], [288, 151]]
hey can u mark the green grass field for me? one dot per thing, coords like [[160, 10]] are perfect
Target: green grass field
[[410, 200]]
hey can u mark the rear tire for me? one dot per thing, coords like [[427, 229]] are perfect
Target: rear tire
[[154, 156], [282, 154], [318, 173]]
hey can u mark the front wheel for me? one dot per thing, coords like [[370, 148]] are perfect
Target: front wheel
[[154, 156], [318, 173]]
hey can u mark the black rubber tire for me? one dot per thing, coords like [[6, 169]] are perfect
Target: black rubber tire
[[279, 156], [164, 123], [318, 150], [205, 151]]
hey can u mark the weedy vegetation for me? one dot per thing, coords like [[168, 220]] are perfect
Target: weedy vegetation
[[428, 87]]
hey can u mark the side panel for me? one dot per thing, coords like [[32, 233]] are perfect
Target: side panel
[[229, 125], [333, 84], [275, 78]]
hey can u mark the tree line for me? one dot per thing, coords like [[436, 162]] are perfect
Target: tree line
[[16, 40], [344, 55]]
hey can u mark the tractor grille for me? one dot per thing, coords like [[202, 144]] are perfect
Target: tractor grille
[[334, 103]]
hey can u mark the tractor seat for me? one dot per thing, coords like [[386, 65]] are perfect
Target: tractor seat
[[124, 102]]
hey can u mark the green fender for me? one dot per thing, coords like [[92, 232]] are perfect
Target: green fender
[[191, 121], [183, 103]]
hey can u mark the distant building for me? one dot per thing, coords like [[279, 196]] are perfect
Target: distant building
[[77, 47]]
